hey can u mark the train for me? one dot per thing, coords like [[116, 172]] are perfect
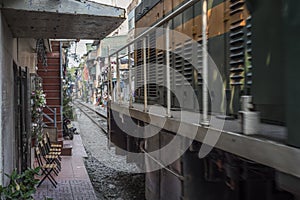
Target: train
[[254, 45]]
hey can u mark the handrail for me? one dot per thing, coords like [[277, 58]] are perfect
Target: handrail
[[161, 22], [48, 117], [54, 115], [49, 108], [143, 38]]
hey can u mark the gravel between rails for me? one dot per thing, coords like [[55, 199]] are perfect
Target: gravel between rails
[[111, 176]]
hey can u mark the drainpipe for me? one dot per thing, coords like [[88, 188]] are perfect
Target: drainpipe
[[205, 121]]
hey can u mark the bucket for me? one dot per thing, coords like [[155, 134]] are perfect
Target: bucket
[[250, 122]]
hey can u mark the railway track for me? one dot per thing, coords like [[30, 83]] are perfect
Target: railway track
[[98, 118]]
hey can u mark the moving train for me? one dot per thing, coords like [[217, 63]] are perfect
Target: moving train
[[254, 45]]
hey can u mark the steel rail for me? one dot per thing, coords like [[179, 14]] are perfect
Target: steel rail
[[97, 112], [142, 149], [89, 116]]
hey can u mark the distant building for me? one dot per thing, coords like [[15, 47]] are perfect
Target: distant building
[[106, 47], [131, 18]]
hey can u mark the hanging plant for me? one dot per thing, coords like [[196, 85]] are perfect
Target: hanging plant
[[41, 52], [38, 102]]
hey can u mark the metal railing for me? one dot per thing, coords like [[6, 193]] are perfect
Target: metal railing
[[142, 37], [54, 121]]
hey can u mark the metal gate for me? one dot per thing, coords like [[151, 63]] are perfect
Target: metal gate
[[22, 117]]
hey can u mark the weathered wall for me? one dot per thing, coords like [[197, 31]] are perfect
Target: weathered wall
[[26, 56], [7, 163]]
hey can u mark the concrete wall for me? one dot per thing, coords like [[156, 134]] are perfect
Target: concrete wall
[[7, 137], [20, 51], [26, 55]]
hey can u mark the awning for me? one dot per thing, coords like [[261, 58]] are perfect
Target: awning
[[61, 19]]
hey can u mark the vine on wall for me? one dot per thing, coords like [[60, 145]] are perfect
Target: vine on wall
[[38, 102]]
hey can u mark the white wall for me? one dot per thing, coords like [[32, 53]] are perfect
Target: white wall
[[7, 153], [123, 28], [26, 55]]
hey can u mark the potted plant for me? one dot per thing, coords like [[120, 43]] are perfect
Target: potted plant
[[21, 186]]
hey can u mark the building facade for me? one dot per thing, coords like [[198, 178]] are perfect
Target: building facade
[[20, 54]]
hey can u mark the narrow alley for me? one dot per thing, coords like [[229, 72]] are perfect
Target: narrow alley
[[94, 171], [149, 100]]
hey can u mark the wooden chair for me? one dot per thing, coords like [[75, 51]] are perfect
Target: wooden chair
[[46, 169], [52, 144], [48, 146], [46, 149], [50, 156], [53, 150]]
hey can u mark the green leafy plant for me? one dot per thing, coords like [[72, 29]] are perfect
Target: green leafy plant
[[38, 98], [67, 105], [21, 186], [38, 102]]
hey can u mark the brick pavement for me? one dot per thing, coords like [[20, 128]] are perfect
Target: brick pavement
[[73, 180]]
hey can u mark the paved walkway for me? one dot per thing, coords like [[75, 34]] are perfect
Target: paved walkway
[[73, 180]]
